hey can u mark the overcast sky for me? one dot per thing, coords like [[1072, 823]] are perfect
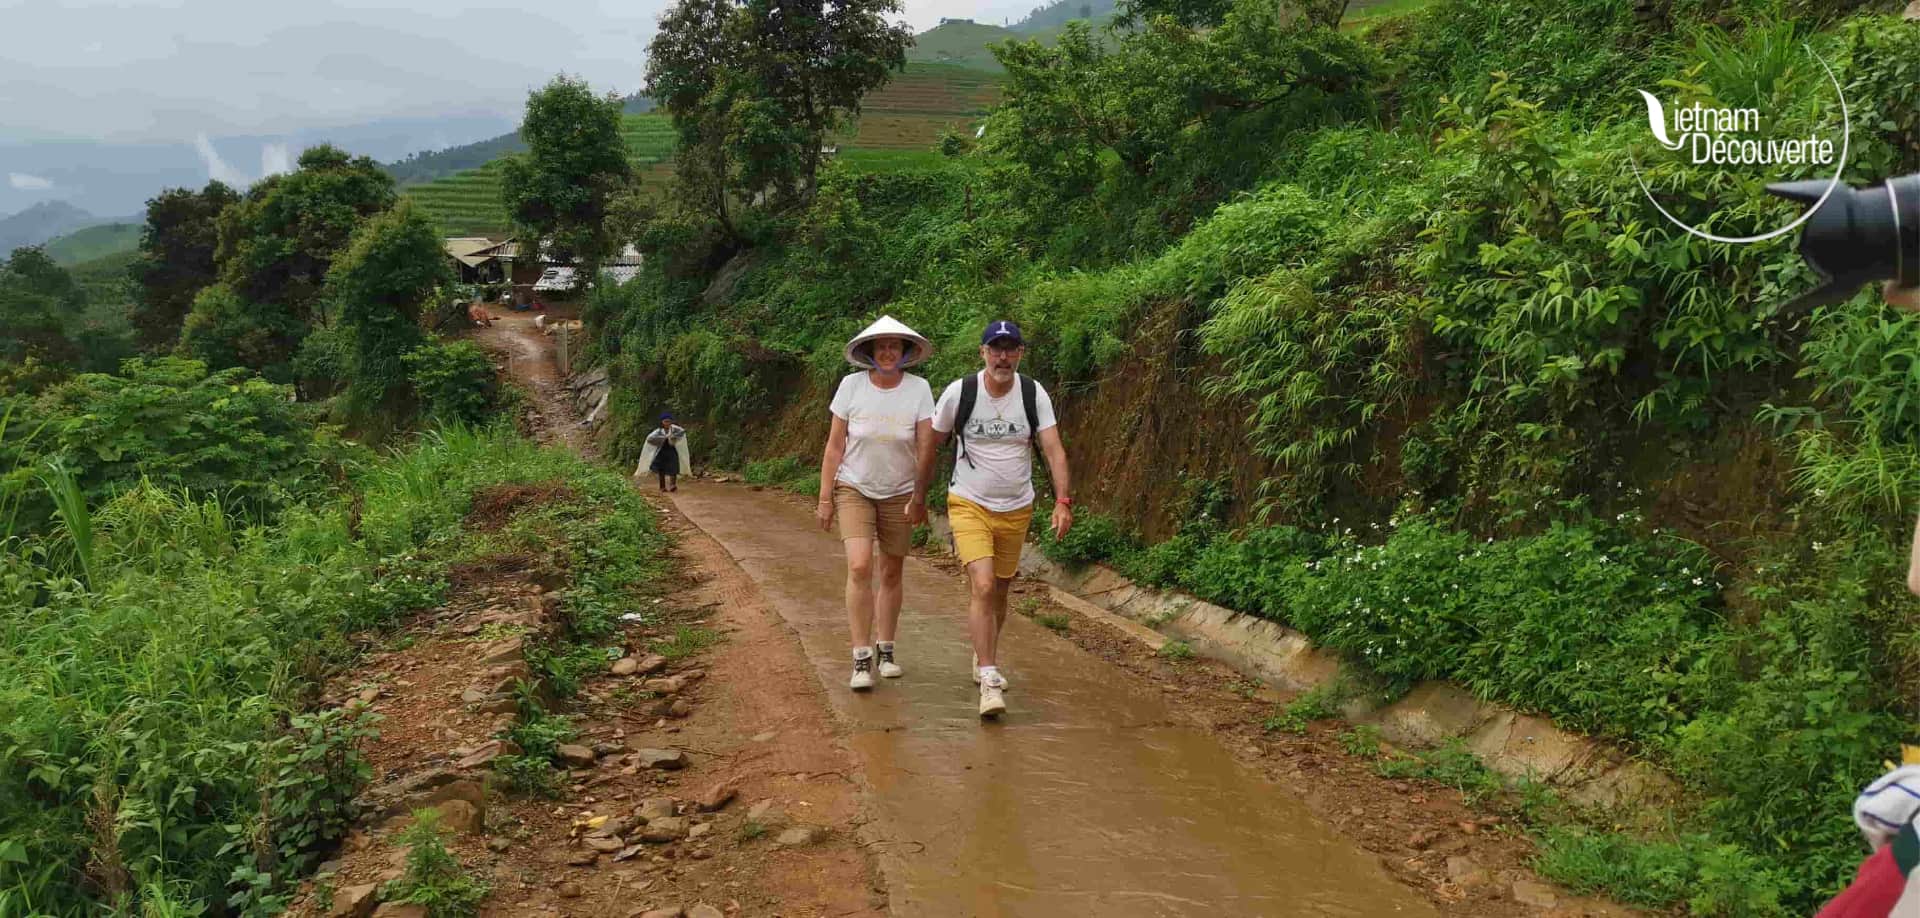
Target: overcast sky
[[170, 70]]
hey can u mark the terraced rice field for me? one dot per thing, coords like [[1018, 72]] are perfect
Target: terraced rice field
[[899, 125]]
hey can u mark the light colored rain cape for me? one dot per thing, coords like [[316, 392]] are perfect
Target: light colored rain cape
[[654, 439]]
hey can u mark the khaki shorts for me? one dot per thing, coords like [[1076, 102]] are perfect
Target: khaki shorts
[[884, 521], [982, 533]]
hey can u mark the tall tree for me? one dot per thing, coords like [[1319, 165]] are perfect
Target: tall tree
[[755, 87], [277, 243], [176, 260], [394, 265], [557, 191], [38, 301], [275, 247]]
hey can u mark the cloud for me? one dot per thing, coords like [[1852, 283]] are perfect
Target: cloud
[[24, 182], [217, 168], [275, 159]]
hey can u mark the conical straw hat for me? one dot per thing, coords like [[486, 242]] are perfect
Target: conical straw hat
[[888, 327]]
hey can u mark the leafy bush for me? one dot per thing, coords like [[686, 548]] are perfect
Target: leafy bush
[[226, 434], [455, 381]]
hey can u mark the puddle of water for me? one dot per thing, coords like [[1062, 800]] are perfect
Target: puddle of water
[[1085, 799]]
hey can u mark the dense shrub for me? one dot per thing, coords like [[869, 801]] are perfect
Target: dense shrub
[[226, 435], [454, 381]]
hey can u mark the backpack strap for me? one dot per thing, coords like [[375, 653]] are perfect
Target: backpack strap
[[969, 393], [1029, 398]]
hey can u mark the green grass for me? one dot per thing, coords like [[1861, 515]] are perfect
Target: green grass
[[156, 684], [685, 642]]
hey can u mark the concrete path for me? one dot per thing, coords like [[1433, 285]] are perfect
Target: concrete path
[[1085, 799]]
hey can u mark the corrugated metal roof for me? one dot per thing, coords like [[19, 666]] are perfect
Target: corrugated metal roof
[[469, 250]]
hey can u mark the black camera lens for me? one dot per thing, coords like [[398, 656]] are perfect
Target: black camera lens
[[1857, 236]]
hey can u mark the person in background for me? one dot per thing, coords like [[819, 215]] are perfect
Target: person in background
[[665, 454], [880, 414]]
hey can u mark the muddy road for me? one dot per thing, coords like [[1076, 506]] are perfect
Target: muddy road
[[1086, 798], [1118, 784]]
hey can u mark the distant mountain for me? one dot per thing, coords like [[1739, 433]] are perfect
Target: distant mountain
[[94, 242], [425, 166], [117, 178], [421, 168], [41, 222], [960, 41], [1060, 12]]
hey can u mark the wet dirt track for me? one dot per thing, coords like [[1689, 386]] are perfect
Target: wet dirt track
[[1085, 799]]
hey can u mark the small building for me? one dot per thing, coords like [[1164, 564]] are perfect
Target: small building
[[472, 260]]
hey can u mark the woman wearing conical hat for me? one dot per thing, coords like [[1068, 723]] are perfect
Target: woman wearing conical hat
[[880, 412]]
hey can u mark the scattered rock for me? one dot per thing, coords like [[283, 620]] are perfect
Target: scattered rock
[[486, 752], [613, 828], [504, 650], [679, 708], [674, 912], [604, 749], [656, 808], [1467, 874], [762, 812], [701, 853], [670, 685], [692, 675], [797, 836], [606, 845], [461, 816], [1538, 895], [581, 858], [368, 695], [474, 696], [576, 755], [1468, 826], [567, 890], [399, 910], [698, 830], [717, 796], [499, 845], [355, 901], [665, 829], [625, 666], [652, 663], [665, 759], [763, 737], [501, 704], [1422, 839], [704, 910]]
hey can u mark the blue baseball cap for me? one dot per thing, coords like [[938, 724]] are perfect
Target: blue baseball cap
[[1001, 328]]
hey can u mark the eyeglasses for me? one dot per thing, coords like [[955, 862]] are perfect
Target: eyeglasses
[[999, 348]]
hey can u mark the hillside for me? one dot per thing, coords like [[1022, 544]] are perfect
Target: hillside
[[963, 43], [899, 126], [1054, 15], [420, 168], [94, 242], [42, 222]]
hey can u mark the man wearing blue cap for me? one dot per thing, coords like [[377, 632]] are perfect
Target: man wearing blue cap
[[999, 417]]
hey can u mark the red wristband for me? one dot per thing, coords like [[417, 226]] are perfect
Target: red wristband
[[1066, 501]]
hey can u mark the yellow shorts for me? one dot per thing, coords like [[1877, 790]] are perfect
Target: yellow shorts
[[982, 533]]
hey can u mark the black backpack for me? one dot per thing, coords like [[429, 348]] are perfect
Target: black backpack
[[970, 393]]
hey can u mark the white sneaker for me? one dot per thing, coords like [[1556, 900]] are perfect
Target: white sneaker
[[991, 704], [1002, 686], [888, 668], [862, 675]]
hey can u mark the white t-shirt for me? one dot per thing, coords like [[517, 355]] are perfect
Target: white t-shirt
[[880, 459], [999, 443]]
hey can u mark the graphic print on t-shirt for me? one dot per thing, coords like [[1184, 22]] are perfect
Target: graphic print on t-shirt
[[994, 429]]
